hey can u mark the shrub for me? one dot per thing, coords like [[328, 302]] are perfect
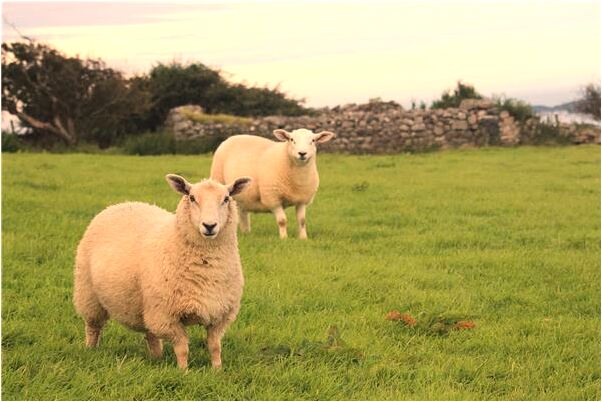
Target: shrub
[[590, 101], [165, 143], [175, 84], [201, 145], [455, 97], [548, 134], [10, 142], [150, 144], [520, 110]]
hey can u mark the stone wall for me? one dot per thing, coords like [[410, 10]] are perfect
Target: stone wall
[[376, 127]]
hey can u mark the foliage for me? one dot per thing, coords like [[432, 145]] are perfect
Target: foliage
[[70, 99], [176, 84], [454, 98], [10, 142], [590, 101], [547, 134], [507, 237], [67, 98], [520, 110], [199, 145], [162, 143], [150, 144]]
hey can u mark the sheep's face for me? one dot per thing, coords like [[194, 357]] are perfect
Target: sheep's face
[[208, 202], [301, 143]]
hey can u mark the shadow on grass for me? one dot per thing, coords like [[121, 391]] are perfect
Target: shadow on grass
[[333, 349]]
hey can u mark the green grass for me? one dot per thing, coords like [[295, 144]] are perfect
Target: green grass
[[508, 238]]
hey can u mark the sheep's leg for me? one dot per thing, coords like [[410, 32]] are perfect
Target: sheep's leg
[[173, 332], [300, 209], [280, 216], [244, 220], [214, 344], [155, 345], [93, 330], [95, 319], [88, 307], [214, 339], [180, 347]]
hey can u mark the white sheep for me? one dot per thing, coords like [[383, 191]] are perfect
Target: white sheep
[[157, 272], [284, 173]]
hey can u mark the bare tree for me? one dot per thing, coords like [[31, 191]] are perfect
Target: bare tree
[[590, 101]]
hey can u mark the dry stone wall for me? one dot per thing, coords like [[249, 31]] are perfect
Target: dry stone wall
[[376, 127]]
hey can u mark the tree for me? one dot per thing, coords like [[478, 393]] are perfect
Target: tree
[[176, 84], [172, 85], [590, 101], [453, 99], [68, 98]]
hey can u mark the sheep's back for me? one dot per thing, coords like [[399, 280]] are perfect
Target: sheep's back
[[238, 156]]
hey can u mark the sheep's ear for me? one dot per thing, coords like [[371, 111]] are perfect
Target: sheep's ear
[[238, 185], [324, 136], [178, 183], [282, 135]]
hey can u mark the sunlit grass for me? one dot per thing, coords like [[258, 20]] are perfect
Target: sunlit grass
[[508, 238]]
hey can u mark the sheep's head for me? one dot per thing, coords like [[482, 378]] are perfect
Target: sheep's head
[[301, 143], [207, 202]]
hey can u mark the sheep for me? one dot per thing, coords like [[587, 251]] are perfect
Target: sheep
[[156, 272], [284, 173]]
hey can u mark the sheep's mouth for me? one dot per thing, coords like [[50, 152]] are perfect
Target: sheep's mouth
[[304, 158], [209, 235]]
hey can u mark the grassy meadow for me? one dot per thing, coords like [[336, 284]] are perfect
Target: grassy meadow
[[506, 238]]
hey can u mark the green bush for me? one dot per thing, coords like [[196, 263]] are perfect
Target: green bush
[[10, 142], [455, 97], [548, 134], [177, 84], [165, 143], [150, 144], [199, 145], [520, 110]]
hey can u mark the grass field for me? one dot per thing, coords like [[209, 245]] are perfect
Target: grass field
[[507, 238]]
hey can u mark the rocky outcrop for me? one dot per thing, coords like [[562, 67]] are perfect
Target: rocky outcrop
[[377, 127]]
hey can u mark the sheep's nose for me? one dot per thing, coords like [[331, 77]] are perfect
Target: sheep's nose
[[209, 227], [302, 154]]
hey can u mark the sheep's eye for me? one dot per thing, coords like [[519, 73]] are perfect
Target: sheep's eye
[[226, 200], [191, 198]]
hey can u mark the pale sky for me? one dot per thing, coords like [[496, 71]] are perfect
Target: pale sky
[[339, 52]]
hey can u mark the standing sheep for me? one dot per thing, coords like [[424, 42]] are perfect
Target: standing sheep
[[157, 272], [284, 173]]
